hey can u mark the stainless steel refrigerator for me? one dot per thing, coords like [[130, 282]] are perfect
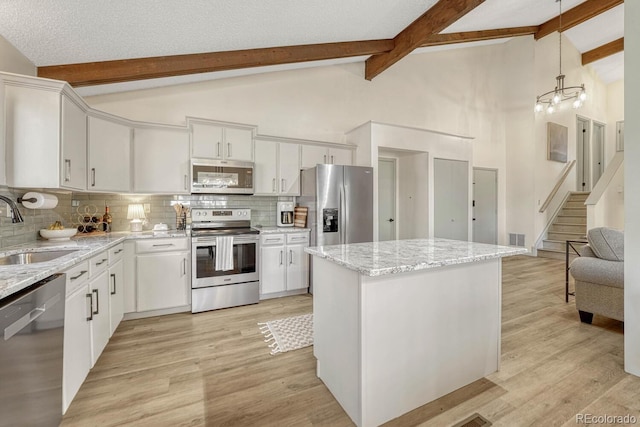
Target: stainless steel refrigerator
[[340, 204]]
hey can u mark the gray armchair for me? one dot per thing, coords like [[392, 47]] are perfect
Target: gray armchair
[[599, 275]]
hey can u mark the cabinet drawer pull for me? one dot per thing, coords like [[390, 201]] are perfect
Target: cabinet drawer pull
[[90, 296], [75, 277], [113, 276], [93, 177], [96, 291], [101, 261], [118, 251], [164, 245], [272, 240], [67, 170]]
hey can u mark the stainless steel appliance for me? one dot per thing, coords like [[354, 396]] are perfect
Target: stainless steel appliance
[[213, 288], [221, 176], [32, 324], [340, 203], [285, 214]]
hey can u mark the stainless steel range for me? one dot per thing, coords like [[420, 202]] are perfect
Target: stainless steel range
[[224, 259]]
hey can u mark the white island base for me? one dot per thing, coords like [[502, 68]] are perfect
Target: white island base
[[388, 344]]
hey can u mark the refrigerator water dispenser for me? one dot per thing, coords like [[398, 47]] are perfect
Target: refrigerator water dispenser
[[330, 220]]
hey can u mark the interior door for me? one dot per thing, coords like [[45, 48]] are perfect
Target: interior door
[[485, 205], [451, 199], [386, 199], [597, 152], [582, 155]]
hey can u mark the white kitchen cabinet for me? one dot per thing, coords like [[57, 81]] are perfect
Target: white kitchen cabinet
[[100, 322], [162, 274], [210, 140], [284, 266], [45, 134], [109, 155], [116, 295], [77, 332], [277, 167], [319, 154], [161, 160]]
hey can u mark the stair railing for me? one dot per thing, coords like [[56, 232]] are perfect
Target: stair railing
[[554, 191]]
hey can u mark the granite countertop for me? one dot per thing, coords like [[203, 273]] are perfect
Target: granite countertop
[[399, 256], [275, 230], [14, 278]]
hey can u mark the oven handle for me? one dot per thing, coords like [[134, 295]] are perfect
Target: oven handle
[[212, 240]]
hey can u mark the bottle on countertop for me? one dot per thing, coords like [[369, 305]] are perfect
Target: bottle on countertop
[[107, 219]]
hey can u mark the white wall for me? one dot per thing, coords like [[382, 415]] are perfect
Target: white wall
[[615, 113], [631, 178], [13, 61]]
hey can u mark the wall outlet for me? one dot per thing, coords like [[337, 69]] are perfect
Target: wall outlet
[[75, 203], [147, 208]]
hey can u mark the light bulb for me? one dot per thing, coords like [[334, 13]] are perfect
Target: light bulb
[[538, 108], [556, 98], [577, 103], [550, 109], [583, 95]]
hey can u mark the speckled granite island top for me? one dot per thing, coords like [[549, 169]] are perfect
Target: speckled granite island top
[[400, 256], [14, 278]]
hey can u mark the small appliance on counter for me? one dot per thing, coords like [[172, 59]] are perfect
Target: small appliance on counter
[[285, 214]]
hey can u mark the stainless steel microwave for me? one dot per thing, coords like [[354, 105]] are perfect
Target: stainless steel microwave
[[221, 177]]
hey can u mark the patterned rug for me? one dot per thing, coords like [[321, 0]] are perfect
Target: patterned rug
[[288, 334]]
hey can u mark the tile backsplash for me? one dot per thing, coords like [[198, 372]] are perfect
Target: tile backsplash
[[160, 209]]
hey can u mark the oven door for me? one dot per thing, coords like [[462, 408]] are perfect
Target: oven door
[[221, 177], [203, 259]]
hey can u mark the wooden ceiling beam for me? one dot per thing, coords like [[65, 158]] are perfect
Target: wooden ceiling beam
[[579, 14], [474, 36], [603, 51], [434, 20], [117, 71]]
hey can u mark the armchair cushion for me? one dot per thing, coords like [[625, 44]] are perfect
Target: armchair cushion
[[598, 271], [607, 243]]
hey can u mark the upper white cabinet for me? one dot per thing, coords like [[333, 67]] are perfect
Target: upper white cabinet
[[216, 140], [277, 167], [318, 154], [109, 155], [45, 134], [161, 160]]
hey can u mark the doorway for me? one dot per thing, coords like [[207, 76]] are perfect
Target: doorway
[[386, 199], [582, 155], [451, 199], [597, 152], [485, 206]]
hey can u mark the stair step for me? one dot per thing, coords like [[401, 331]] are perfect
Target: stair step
[[561, 219], [565, 235], [553, 245], [544, 253], [568, 227], [578, 196], [579, 212], [575, 204]]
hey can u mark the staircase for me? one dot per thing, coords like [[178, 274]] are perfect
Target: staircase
[[569, 224]]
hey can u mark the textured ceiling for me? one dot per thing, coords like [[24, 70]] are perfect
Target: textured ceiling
[[55, 32]]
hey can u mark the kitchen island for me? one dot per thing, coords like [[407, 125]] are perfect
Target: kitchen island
[[400, 323]]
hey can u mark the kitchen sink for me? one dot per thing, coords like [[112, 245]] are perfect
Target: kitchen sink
[[32, 257]]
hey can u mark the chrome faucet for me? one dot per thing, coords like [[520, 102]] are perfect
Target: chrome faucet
[[16, 217]]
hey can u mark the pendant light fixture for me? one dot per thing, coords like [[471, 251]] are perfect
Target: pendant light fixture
[[549, 101]]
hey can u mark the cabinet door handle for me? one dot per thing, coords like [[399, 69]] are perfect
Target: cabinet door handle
[[218, 150], [186, 181], [96, 291], [274, 185], [283, 184], [331, 159], [280, 257], [228, 149], [93, 177], [184, 266], [101, 262], [113, 292], [90, 296], [76, 277], [67, 170], [118, 251], [290, 257], [325, 158]]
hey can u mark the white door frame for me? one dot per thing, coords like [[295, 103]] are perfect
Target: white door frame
[[395, 193]]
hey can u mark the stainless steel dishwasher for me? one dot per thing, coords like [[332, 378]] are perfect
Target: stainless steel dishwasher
[[32, 327]]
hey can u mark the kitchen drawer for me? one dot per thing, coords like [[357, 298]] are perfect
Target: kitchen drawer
[[162, 245], [98, 263], [272, 239], [293, 238], [115, 253], [77, 276]]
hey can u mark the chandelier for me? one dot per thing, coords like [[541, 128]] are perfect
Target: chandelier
[[549, 100]]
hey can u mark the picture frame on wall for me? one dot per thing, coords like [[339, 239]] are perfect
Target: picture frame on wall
[[557, 142]]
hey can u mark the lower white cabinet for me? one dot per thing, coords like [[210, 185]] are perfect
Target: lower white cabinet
[[162, 274], [284, 266], [116, 295], [99, 317]]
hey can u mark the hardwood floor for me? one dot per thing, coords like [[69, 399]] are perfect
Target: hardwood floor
[[213, 368]]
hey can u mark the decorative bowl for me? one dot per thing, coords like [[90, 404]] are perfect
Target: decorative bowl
[[64, 234]]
